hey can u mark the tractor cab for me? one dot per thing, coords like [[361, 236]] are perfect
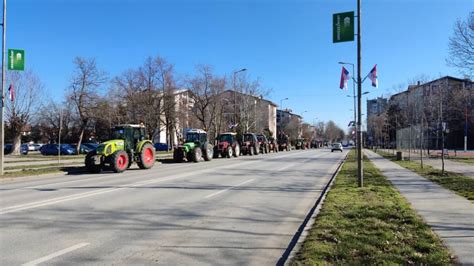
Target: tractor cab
[[196, 136], [226, 137], [131, 134]]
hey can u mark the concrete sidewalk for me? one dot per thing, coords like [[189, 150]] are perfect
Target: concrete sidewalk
[[449, 215]]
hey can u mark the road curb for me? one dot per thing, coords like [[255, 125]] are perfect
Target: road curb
[[303, 230]]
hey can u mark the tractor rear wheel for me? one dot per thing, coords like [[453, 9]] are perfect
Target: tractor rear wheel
[[119, 161], [207, 151], [197, 154], [90, 163], [237, 150], [147, 157]]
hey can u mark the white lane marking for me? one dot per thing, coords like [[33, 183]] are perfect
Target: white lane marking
[[286, 167], [227, 189], [55, 254], [37, 204], [294, 164]]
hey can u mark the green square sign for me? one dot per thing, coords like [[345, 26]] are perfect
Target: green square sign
[[343, 27], [16, 59]]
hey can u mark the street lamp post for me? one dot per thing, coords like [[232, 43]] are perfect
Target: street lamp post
[[2, 130], [281, 103], [235, 95], [303, 113]]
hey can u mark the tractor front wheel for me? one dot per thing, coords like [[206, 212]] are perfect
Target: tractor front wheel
[[237, 150], [146, 157], [229, 152], [90, 163], [119, 161], [197, 154]]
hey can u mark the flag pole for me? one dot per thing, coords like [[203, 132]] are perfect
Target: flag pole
[[360, 172], [2, 118]]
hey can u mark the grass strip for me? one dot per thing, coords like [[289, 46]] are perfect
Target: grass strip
[[459, 184], [42, 166], [41, 171], [371, 225]]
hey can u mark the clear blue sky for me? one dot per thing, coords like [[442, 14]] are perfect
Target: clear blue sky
[[285, 43]]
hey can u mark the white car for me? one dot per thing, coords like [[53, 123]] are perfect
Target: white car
[[336, 147]]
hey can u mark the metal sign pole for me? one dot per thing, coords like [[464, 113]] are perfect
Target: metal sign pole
[[360, 171], [2, 119]]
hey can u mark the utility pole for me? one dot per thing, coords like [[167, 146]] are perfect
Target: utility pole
[[465, 122], [360, 171], [443, 127], [2, 115], [59, 135], [235, 95]]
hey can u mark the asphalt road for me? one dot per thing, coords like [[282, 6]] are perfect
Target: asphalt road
[[239, 211]]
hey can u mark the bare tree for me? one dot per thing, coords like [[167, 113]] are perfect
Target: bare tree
[[250, 92], [205, 90], [146, 95], [83, 91], [461, 46], [49, 118], [27, 91], [292, 128], [333, 132]]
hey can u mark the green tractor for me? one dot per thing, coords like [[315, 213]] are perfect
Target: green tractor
[[194, 148], [128, 144]]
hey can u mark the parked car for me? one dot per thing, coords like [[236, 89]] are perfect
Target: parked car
[[161, 146], [30, 147], [91, 146], [8, 148], [53, 149], [37, 146], [336, 147], [85, 147], [249, 144]]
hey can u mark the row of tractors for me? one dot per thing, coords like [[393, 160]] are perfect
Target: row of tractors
[[229, 144], [129, 145]]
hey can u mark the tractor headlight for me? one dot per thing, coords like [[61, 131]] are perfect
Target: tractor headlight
[[108, 149]]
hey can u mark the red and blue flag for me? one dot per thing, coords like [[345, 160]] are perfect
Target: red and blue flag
[[373, 77], [344, 78]]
